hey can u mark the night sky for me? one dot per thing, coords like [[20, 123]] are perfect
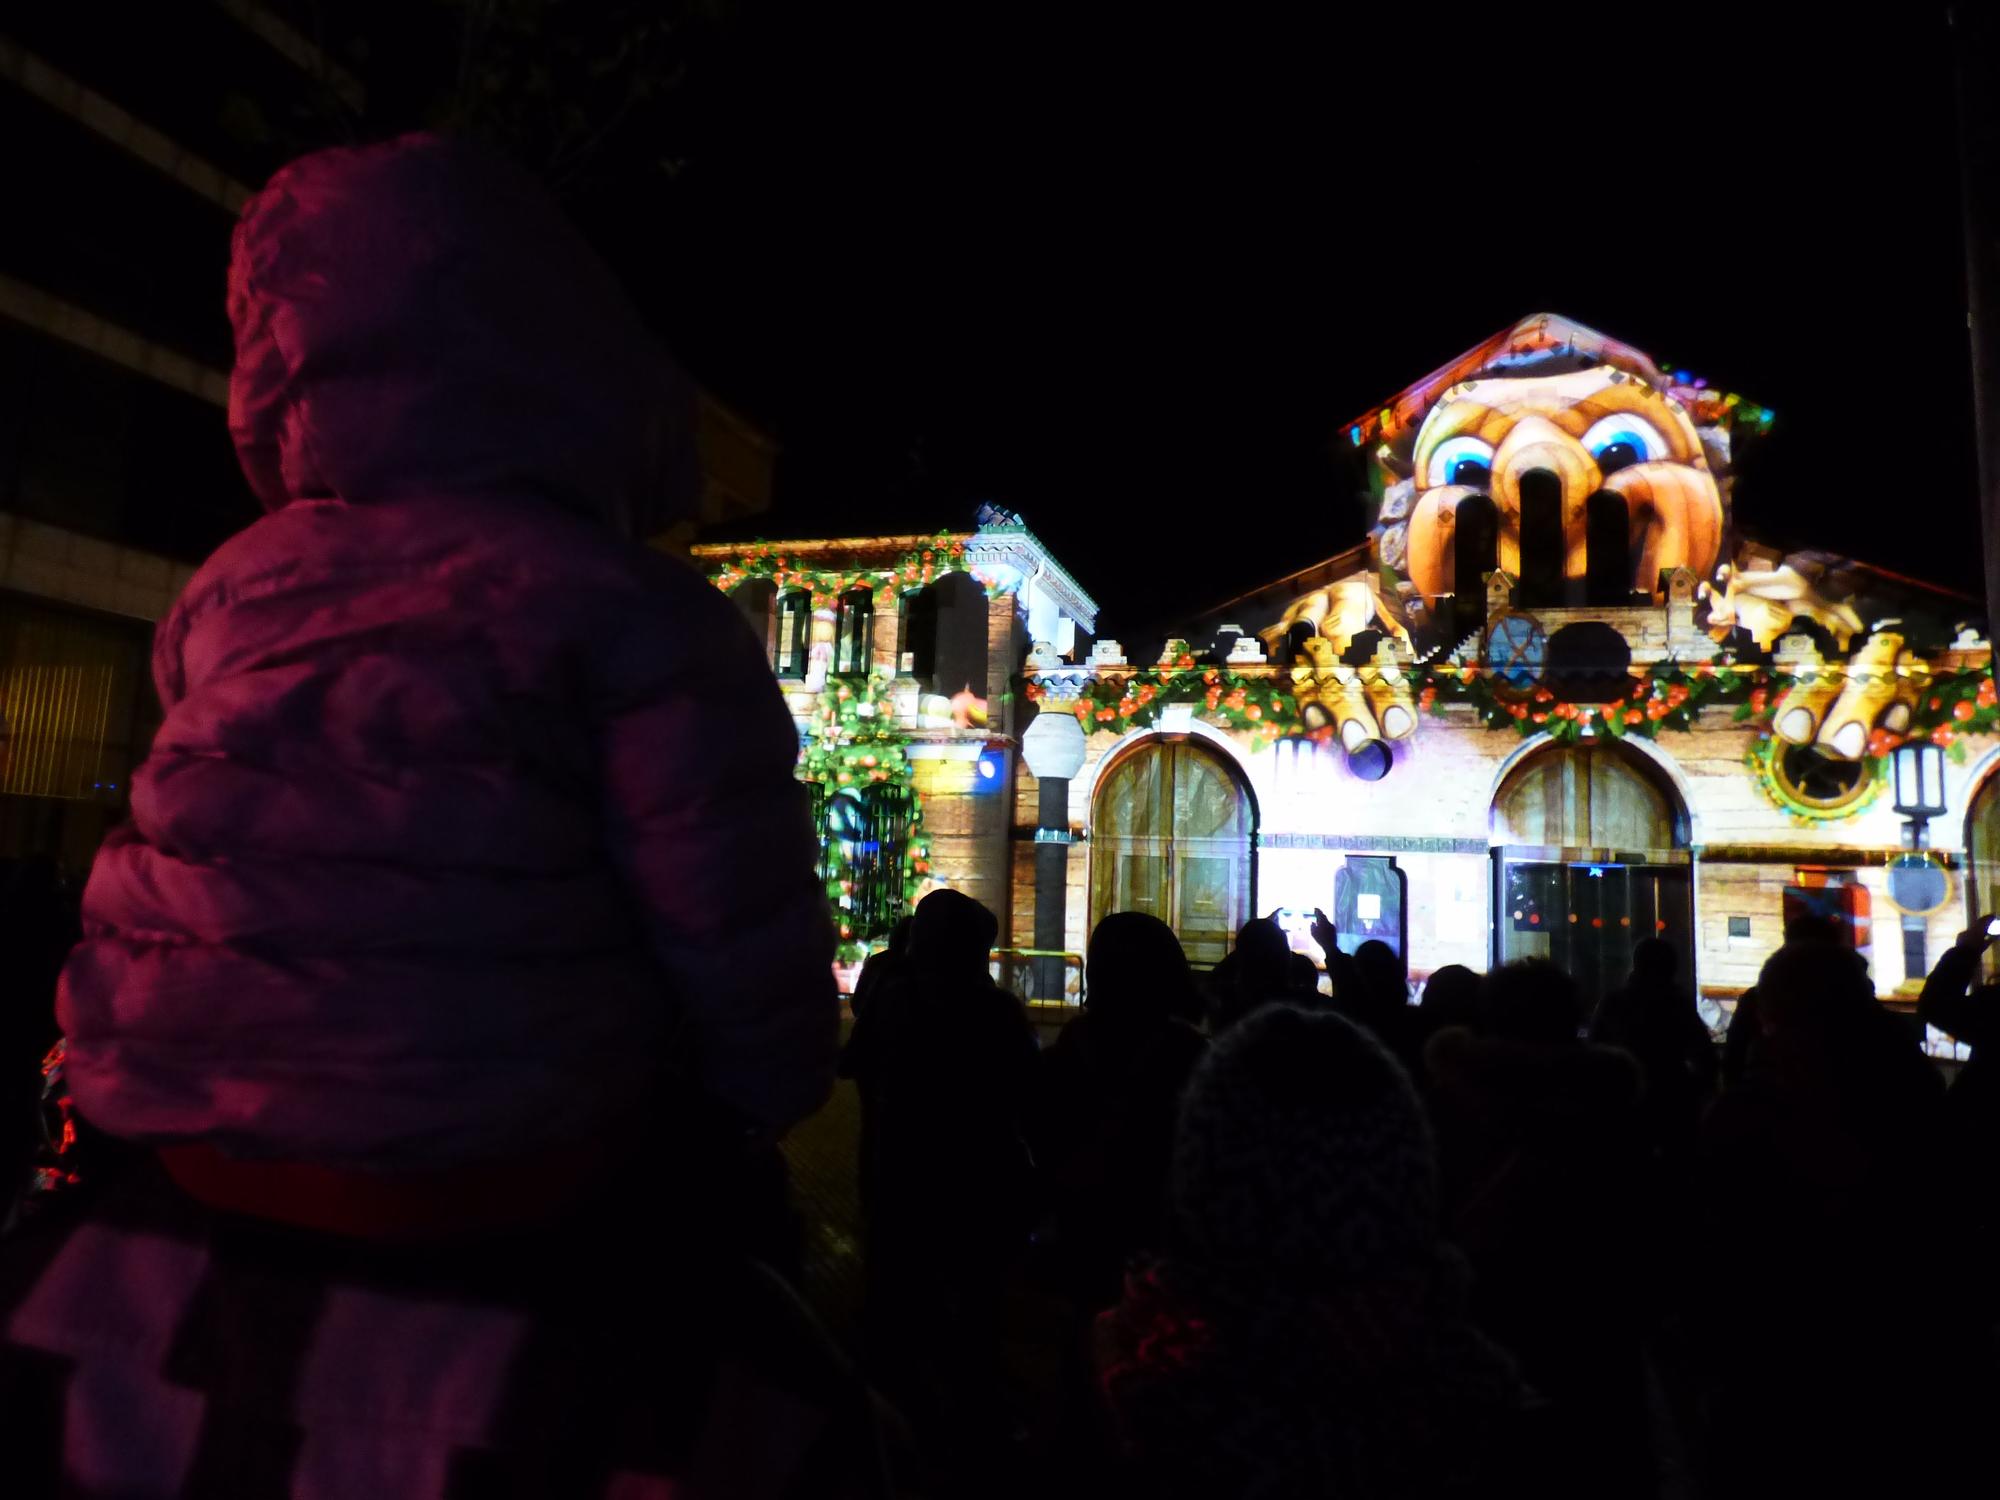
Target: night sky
[[1131, 279]]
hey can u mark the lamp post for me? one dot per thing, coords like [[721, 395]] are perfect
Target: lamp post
[[1054, 749], [1917, 887], [1918, 766]]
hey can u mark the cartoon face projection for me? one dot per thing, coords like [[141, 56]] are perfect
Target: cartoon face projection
[[1547, 445]]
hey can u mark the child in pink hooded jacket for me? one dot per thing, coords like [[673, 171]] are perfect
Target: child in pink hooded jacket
[[468, 814], [466, 876]]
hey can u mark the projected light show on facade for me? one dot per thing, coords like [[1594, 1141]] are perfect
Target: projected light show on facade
[[1555, 700]]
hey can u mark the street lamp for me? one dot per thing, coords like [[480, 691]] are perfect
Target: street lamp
[[1917, 885], [1918, 766]]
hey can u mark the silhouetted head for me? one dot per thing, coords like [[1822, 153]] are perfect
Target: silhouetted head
[[1136, 971], [1451, 997], [1381, 969], [1304, 975], [1302, 1154], [1530, 1000], [1263, 959], [951, 935], [1655, 959], [1814, 986], [899, 937]]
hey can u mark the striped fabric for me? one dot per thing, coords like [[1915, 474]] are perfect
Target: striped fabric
[[151, 1350]]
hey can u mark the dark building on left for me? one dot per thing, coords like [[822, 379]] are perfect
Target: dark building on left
[[135, 134]]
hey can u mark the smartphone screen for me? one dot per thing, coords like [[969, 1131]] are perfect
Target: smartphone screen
[[1297, 927]]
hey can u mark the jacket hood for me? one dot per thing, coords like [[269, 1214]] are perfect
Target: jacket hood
[[418, 318]]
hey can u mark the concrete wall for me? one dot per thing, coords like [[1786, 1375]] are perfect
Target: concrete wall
[[51, 563]]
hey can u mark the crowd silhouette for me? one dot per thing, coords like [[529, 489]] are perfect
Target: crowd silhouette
[[430, 1029], [1325, 1239]]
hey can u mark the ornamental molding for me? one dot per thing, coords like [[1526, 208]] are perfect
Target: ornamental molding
[[1011, 553], [1020, 550]]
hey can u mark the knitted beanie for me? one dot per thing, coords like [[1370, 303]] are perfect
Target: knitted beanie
[[1303, 1155]]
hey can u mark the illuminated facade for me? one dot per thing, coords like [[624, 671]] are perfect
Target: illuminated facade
[[1555, 702], [899, 657]]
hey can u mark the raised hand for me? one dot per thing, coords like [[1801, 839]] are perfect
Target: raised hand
[[1324, 934]]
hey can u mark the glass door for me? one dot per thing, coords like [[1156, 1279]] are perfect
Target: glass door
[[1585, 917]]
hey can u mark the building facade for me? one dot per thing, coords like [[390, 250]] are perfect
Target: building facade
[[1556, 702], [900, 657]]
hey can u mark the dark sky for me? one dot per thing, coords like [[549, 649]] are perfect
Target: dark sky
[[1130, 279]]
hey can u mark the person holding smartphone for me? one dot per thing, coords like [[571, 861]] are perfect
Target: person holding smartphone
[[1958, 1003]]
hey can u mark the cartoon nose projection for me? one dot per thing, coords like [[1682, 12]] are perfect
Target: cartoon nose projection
[[1595, 470]]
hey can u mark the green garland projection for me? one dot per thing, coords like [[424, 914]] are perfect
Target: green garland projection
[[1665, 696], [914, 570], [856, 760]]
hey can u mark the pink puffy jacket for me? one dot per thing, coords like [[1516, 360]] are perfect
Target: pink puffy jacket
[[470, 821]]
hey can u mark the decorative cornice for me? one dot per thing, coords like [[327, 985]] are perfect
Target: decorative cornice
[[1019, 548], [1010, 547]]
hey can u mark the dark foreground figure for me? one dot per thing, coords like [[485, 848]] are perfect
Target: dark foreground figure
[[450, 983], [943, 1059], [1854, 1320], [1304, 1334], [1546, 1193], [1107, 1100]]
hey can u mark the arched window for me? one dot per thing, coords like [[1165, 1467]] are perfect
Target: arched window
[[1590, 856], [1588, 796], [1475, 552], [916, 643], [1172, 834], [791, 639], [853, 636], [1543, 547], [1607, 541]]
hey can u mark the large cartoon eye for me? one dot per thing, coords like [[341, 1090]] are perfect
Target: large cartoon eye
[[1621, 440], [1464, 459]]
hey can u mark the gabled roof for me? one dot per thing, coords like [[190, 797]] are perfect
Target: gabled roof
[[1259, 606], [1543, 340]]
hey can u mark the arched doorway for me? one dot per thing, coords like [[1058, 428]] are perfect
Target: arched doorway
[[1172, 834], [1590, 855]]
